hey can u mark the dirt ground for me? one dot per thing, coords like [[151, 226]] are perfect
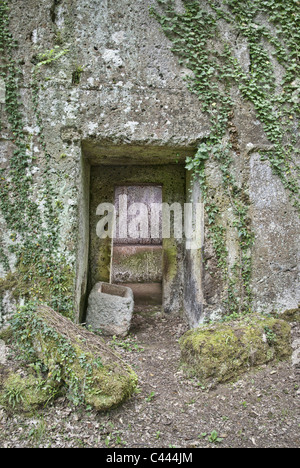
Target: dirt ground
[[261, 410]]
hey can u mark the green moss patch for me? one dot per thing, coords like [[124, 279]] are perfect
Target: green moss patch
[[222, 352], [26, 393], [170, 259], [291, 315], [6, 334]]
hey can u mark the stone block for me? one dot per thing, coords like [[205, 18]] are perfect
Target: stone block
[[110, 309]]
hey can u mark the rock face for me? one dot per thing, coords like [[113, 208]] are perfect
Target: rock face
[[118, 96], [110, 309], [222, 352]]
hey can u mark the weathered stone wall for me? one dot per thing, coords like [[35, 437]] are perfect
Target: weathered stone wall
[[118, 83]]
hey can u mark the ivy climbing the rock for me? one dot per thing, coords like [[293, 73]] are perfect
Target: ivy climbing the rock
[[41, 270], [270, 28]]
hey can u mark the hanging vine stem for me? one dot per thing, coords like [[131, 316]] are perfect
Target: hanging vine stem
[[15, 203]]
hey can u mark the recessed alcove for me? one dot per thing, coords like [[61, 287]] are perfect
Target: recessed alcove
[[156, 270]]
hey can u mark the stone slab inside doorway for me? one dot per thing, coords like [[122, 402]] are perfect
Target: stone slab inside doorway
[[137, 259]]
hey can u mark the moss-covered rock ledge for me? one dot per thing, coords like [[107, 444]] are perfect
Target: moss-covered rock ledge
[[90, 371], [291, 315], [223, 351]]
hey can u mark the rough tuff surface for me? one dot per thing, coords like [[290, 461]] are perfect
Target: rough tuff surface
[[222, 352], [110, 309]]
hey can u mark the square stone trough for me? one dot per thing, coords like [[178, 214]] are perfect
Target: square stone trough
[[110, 309]]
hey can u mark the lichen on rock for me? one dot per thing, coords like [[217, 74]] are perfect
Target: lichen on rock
[[223, 351]]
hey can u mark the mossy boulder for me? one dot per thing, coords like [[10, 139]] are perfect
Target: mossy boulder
[[223, 351], [92, 372]]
